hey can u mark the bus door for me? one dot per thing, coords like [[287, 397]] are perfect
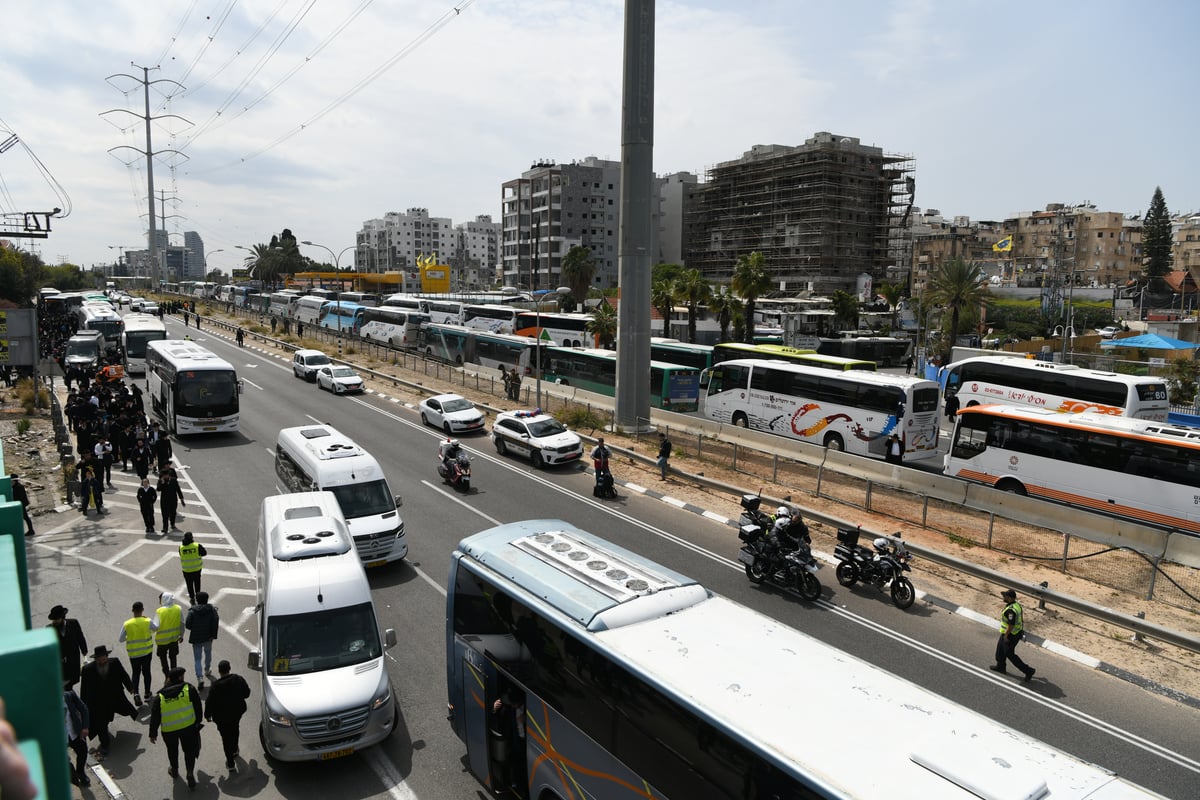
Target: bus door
[[494, 719]]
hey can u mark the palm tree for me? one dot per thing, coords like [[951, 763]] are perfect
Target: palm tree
[[750, 279], [603, 325], [263, 263], [845, 310], [578, 269], [693, 291], [892, 293], [958, 285], [725, 306], [663, 299]]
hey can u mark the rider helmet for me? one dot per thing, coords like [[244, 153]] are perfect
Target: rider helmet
[[783, 511], [881, 543]]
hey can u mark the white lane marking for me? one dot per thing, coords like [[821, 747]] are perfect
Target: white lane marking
[[252, 383]]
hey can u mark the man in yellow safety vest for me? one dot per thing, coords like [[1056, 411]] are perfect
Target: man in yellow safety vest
[[168, 633], [191, 561], [177, 708], [1012, 631], [137, 634]]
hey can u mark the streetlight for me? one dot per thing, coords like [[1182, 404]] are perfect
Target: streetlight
[[208, 253], [1070, 318], [337, 257]]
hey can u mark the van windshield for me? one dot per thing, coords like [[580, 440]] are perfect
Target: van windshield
[[321, 640], [364, 499]]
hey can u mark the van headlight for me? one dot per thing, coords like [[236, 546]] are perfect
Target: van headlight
[[282, 720], [382, 700]]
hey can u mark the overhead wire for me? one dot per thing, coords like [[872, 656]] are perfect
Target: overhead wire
[[208, 40], [64, 199], [171, 43]]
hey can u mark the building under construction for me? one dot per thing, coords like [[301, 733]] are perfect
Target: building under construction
[[822, 214]]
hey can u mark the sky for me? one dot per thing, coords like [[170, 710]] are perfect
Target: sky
[[317, 116]]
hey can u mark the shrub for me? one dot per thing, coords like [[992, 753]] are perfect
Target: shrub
[[23, 425], [580, 418], [25, 395]]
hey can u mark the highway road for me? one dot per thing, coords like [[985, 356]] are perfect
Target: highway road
[[1147, 738]]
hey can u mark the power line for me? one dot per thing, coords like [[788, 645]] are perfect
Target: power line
[[174, 37]]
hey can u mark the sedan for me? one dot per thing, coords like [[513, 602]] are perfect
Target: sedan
[[1109, 332], [452, 413], [339, 380]]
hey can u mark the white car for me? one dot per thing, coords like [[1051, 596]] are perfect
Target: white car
[[305, 364], [452, 413], [136, 303], [149, 307], [1109, 332], [539, 437], [339, 379]]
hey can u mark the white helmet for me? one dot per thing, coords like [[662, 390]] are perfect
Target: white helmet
[[783, 511], [881, 543]]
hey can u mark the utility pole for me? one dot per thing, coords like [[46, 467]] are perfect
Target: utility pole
[[149, 153]]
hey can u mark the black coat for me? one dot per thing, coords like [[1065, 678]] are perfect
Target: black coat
[[203, 623], [227, 699], [105, 695], [71, 645]]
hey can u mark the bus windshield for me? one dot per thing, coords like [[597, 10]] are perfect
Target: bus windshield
[[368, 499], [321, 640], [205, 393]]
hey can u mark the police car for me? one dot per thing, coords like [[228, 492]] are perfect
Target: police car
[[537, 436]]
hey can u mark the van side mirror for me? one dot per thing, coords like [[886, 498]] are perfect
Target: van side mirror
[[389, 637], [399, 501], [241, 385], [254, 662]]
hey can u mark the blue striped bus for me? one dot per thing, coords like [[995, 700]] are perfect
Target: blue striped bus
[[341, 316]]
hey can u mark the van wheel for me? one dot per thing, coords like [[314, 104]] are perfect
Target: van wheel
[[262, 740]]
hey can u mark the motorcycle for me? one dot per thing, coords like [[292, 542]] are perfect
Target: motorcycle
[[764, 560], [456, 471], [883, 566]]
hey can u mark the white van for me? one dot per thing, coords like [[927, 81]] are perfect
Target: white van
[[317, 458], [325, 687]]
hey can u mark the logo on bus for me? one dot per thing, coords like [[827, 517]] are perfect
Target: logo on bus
[[1012, 461]]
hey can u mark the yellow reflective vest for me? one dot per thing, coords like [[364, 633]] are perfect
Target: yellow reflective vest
[[137, 637], [1012, 620], [189, 557], [170, 625], [177, 712]]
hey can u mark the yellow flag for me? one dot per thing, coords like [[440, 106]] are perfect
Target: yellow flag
[[1003, 246]]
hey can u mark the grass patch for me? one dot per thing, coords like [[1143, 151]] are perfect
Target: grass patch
[[23, 425], [961, 541], [580, 418]]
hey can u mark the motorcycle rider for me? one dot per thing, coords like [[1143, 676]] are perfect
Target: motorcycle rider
[[787, 530], [448, 453]]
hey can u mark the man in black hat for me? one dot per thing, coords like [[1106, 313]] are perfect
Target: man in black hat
[[71, 642], [105, 682], [20, 495], [177, 708], [1012, 631]]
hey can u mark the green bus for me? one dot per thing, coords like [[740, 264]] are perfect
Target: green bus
[[730, 350], [672, 387], [674, 351]]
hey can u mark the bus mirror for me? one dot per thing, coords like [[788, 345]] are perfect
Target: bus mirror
[[254, 662], [241, 386], [389, 637]]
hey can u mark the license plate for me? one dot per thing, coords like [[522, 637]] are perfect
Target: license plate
[[745, 556], [345, 751], [381, 562]]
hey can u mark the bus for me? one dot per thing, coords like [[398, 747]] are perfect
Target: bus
[[673, 351], [203, 289], [407, 302], [308, 309], [1064, 388], [672, 387], [796, 355], [362, 298], [340, 315], [1135, 469], [140, 330], [103, 318], [630, 681], [490, 317], [888, 351], [283, 303], [457, 344], [566, 330], [447, 312], [396, 327], [191, 389], [852, 411]]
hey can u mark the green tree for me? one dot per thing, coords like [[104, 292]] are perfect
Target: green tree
[[750, 279], [693, 291], [578, 269], [603, 325], [1156, 242], [1181, 375], [892, 294], [960, 287], [291, 260], [662, 297], [845, 310], [725, 307], [263, 263], [664, 271], [21, 275]]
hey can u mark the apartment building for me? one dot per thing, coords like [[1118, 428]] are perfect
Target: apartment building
[[936, 239], [393, 242], [1185, 250], [476, 264], [1097, 248]]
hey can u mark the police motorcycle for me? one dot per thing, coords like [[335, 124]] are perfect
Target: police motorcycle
[[454, 465], [883, 566], [777, 551]]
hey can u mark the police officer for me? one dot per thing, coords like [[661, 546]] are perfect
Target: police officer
[[1012, 631], [177, 708]]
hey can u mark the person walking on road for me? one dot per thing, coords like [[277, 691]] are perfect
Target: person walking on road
[[170, 497], [137, 634], [72, 644], [147, 497], [162, 447], [203, 623], [226, 705], [104, 459], [177, 709], [191, 561], [76, 722], [141, 456], [102, 690], [21, 495], [1012, 631], [664, 456], [168, 631], [908, 364]]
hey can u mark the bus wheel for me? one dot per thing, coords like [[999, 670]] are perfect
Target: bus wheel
[[1012, 487], [740, 420], [834, 442], [458, 360], [972, 404]]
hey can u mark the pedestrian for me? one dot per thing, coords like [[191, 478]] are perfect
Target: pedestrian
[[664, 456], [168, 631], [241, 337], [147, 496], [21, 495], [185, 319], [177, 708], [105, 682], [952, 407], [299, 328], [197, 318], [162, 448], [170, 497], [895, 450], [507, 731], [72, 644], [141, 457], [137, 634], [76, 722], [226, 705], [506, 381], [274, 323], [202, 623], [908, 364], [104, 460], [1012, 631], [191, 561], [90, 488], [514, 383]]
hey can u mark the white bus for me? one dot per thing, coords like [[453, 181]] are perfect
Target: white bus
[[1057, 387], [140, 330], [397, 327], [851, 410], [565, 330], [191, 389], [446, 312], [101, 317], [407, 302], [283, 303], [634, 681], [491, 317], [362, 298], [308, 309], [1144, 471]]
